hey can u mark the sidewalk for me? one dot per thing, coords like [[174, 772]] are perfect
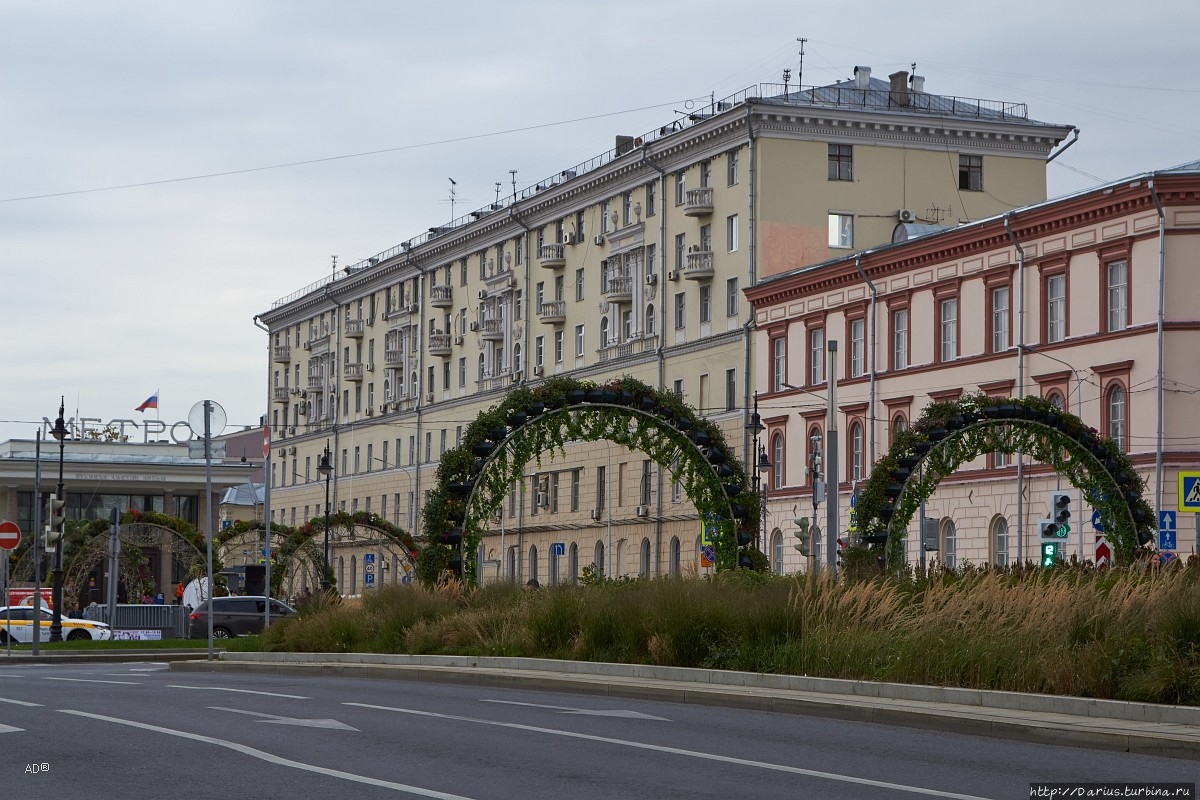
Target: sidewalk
[[1149, 729]]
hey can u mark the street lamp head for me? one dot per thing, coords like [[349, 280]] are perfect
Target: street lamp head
[[755, 425], [324, 467], [764, 463]]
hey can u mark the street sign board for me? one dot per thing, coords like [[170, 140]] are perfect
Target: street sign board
[[707, 556], [1096, 523], [558, 548], [10, 535], [266, 441], [1189, 491], [1166, 520], [369, 579], [216, 448], [1166, 540], [369, 558]]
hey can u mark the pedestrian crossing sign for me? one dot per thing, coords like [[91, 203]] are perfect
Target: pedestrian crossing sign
[[1189, 491]]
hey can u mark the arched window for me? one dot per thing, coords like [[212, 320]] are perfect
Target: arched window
[[777, 461], [387, 389], [616, 559], [644, 567], [1115, 406], [1000, 542], [353, 574], [573, 564], [650, 319], [673, 557], [533, 563], [512, 562], [552, 572], [603, 332], [395, 569], [856, 452], [949, 544], [598, 560], [341, 574], [899, 426], [777, 551], [1056, 400]]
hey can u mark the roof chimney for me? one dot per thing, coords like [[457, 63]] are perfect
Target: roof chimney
[[918, 83], [899, 88], [862, 77]]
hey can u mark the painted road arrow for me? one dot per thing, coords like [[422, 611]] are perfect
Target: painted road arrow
[[331, 724], [591, 712], [9, 729]]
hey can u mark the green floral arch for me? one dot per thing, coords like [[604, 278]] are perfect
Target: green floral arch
[[950, 434], [474, 479]]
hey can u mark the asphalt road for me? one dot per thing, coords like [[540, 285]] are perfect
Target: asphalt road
[[137, 730]]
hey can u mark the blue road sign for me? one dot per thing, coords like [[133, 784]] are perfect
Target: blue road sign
[[710, 553], [369, 578], [853, 499], [1166, 520], [1099, 526], [369, 558], [1166, 540], [558, 548]]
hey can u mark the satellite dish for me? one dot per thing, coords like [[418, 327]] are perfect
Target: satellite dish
[[216, 419]]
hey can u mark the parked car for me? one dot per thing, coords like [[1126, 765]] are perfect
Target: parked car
[[234, 616], [21, 627]]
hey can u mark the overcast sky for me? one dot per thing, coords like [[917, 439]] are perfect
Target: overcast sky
[[112, 293]]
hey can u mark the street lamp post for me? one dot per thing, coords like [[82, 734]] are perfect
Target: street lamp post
[[60, 433], [325, 468], [755, 427], [762, 468]]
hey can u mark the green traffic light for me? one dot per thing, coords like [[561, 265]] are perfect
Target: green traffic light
[[1049, 554], [1063, 531]]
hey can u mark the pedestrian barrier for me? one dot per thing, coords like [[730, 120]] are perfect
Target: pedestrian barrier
[[171, 622]]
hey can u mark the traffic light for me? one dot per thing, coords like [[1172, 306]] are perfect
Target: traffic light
[[744, 538], [843, 542], [1060, 512], [804, 534], [55, 516], [1049, 554], [453, 539], [1049, 531]]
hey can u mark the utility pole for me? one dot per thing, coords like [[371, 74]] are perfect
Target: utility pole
[[831, 462]]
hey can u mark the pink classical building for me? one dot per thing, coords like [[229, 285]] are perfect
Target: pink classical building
[[1060, 299]]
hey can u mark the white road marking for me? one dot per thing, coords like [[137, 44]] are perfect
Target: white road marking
[[591, 712], [332, 724], [9, 729], [20, 703], [242, 691], [272, 759], [144, 669], [833, 776], [90, 680]]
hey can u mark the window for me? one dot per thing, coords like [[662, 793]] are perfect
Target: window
[[900, 339], [1117, 277], [627, 208], [1115, 407], [603, 332], [777, 461], [579, 341], [999, 319], [680, 310], [600, 486], [949, 544], [644, 568], [948, 329], [558, 347], [705, 174], [578, 285], [730, 389], [651, 199], [680, 188], [841, 162], [731, 167], [778, 363], [899, 426], [705, 303], [604, 217], [462, 371], [856, 452], [539, 351], [650, 319], [706, 238], [731, 297], [841, 230], [1056, 308], [858, 347], [970, 173], [816, 356], [680, 250], [645, 488], [1000, 542], [731, 232]]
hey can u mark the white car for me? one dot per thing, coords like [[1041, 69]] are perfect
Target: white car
[[16, 623]]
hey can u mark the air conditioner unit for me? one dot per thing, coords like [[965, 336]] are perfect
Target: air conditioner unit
[[542, 500], [539, 370], [370, 366], [292, 450], [413, 308], [651, 279], [429, 397], [906, 215], [483, 294], [599, 240], [596, 513], [291, 431], [568, 238], [282, 452], [307, 345], [474, 326], [303, 410], [458, 339], [518, 376], [643, 511], [673, 275], [370, 411], [383, 409]]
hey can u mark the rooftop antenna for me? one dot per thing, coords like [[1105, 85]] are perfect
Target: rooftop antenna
[[497, 192], [453, 195], [912, 76], [800, 72], [333, 276], [513, 172], [787, 76]]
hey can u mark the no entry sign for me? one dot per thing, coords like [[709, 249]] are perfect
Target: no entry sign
[[10, 535]]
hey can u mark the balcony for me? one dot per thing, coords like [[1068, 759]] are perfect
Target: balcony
[[280, 394], [439, 344], [393, 355], [282, 353], [553, 312], [699, 202], [552, 256], [619, 289], [627, 349], [699, 266], [354, 328], [353, 372], [492, 330], [441, 296]]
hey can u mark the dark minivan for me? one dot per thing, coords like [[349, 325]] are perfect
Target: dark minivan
[[234, 616]]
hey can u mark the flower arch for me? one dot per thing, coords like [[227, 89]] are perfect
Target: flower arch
[[474, 478], [950, 434]]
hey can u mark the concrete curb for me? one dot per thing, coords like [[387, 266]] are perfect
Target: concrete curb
[[1172, 731], [102, 656]]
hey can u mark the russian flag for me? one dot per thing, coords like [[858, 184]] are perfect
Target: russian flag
[[150, 402]]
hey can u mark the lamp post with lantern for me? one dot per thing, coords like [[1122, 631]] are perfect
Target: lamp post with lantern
[[325, 469]]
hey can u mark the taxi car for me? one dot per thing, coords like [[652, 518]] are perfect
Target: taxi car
[[16, 624]]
